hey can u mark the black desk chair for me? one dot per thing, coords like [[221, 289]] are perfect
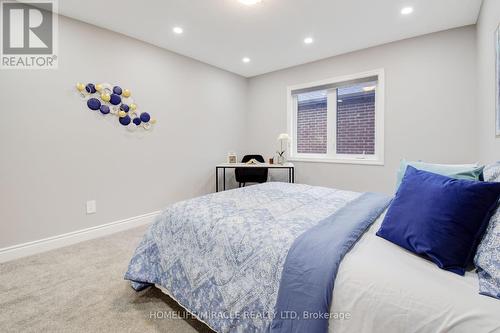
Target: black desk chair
[[250, 175]]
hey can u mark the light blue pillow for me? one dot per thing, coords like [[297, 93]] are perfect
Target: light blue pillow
[[457, 171], [487, 259]]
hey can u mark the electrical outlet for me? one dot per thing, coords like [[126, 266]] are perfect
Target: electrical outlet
[[91, 207]]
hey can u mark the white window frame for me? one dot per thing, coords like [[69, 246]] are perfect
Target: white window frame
[[331, 156]]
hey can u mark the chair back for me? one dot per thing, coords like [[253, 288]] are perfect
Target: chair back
[[247, 158], [251, 175]]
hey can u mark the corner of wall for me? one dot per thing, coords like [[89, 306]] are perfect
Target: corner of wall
[[487, 23]]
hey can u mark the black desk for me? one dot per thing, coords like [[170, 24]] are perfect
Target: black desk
[[288, 166]]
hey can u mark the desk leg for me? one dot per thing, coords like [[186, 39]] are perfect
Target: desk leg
[[224, 179], [289, 175], [216, 179], [293, 175]]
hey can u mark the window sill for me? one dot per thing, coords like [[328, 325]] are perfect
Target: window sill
[[360, 161]]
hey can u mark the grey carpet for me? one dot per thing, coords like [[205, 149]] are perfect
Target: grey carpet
[[80, 288]]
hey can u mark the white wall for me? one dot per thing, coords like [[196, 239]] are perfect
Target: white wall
[[430, 101], [489, 19], [56, 153]]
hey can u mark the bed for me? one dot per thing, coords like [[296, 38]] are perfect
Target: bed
[[389, 289], [292, 258]]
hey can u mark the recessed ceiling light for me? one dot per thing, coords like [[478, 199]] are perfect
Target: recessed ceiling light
[[308, 40], [178, 30], [407, 10], [246, 60], [249, 2]]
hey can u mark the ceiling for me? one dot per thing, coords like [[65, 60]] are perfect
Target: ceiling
[[271, 33]]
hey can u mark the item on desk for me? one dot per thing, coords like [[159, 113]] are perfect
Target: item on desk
[[281, 153], [253, 161], [281, 157], [232, 158], [271, 160]]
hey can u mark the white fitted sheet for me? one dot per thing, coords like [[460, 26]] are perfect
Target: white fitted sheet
[[387, 289]]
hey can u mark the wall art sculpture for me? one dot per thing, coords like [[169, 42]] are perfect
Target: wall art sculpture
[[113, 100]]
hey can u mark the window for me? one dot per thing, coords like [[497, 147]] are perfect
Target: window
[[338, 120]]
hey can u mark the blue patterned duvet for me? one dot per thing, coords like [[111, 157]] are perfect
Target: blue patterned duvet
[[221, 256]]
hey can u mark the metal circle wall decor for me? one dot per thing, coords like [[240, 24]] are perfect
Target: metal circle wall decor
[[125, 121], [94, 104], [117, 90], [145, 117], [105, 109], [124, 107], [113, 100], [90, 88]]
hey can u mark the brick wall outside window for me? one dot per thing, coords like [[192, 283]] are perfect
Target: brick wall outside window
[[356, 123], [312, 126]]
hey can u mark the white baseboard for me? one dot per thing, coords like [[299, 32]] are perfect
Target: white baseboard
[[51, 243]]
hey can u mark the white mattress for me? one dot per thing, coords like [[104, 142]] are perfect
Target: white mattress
[[385, 288]]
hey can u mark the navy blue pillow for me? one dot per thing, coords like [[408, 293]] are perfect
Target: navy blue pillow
[[440, 218]]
